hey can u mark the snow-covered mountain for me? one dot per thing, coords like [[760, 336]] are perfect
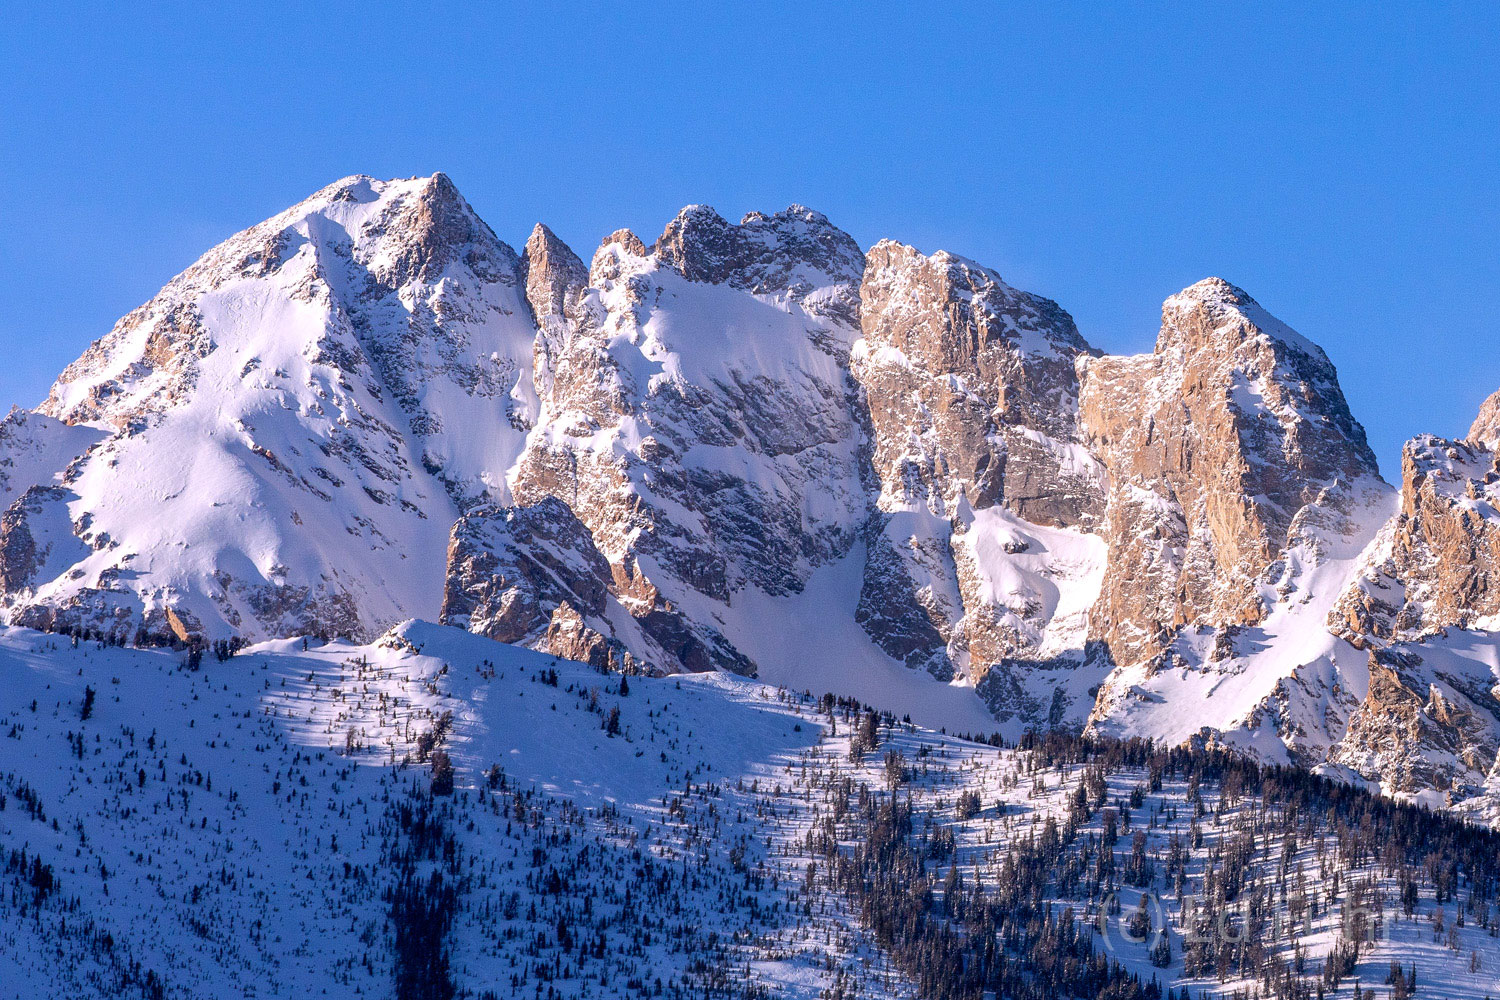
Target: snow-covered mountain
[[756, 448]]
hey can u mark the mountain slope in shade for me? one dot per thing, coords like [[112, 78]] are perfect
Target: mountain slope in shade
[[754, 447]]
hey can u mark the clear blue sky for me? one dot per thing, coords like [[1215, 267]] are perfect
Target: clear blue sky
[[1342, 165]]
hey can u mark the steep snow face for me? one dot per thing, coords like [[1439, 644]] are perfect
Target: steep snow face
[[700, 425], [36, 450], [290, 423]]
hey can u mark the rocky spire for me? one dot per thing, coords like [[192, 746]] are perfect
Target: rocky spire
[[554, 274], [555, 279], [1486, 427]]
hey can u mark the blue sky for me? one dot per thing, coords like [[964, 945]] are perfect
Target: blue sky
[[1342, 165]]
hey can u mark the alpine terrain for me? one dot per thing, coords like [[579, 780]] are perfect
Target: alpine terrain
[[391, 612]]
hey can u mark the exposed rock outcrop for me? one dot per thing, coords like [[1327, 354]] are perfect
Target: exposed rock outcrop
[[972, 395], [699, 420], [1215, 443], [1485, 430], [1437, 563]]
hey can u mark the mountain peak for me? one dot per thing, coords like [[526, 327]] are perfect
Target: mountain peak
[[368, 408], [355, 187], [626, 240], [1215, 288], [793, 212], [439, 227], [1035, 324], [553, 272], [1486, 427], [1216, 311], [700, 244], [542, 235], [796, 251]]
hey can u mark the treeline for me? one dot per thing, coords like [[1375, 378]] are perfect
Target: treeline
[[1369, 828], [1236, 842]]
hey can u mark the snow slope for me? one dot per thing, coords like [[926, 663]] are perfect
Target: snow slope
[[291, 422], [240, 829], [234, 830]]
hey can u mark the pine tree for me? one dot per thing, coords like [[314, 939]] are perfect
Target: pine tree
[[442, 773]]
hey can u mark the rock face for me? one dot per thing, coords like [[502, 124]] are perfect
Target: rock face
[[972, 391], [524, 575], [700, 422], [1437, 563], [1242, 497], [753, 447], [1429, 725], [1425, 603], [972, 397], [1215, 443], [1486, 429]]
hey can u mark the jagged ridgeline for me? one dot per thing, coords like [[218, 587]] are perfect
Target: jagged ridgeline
[[758, 448]]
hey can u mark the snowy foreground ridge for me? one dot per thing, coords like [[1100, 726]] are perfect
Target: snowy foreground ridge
[[437, 814]]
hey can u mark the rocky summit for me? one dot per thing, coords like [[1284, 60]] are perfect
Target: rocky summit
[[755, 447]]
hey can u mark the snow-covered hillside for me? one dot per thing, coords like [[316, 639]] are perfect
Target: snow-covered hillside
[[240, 829], [280, 823]]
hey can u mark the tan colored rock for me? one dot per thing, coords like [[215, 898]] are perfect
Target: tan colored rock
[[1214, 443], [1416, 730], [971, 390], [1486, 427], [1437, 565], [555, 280]]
